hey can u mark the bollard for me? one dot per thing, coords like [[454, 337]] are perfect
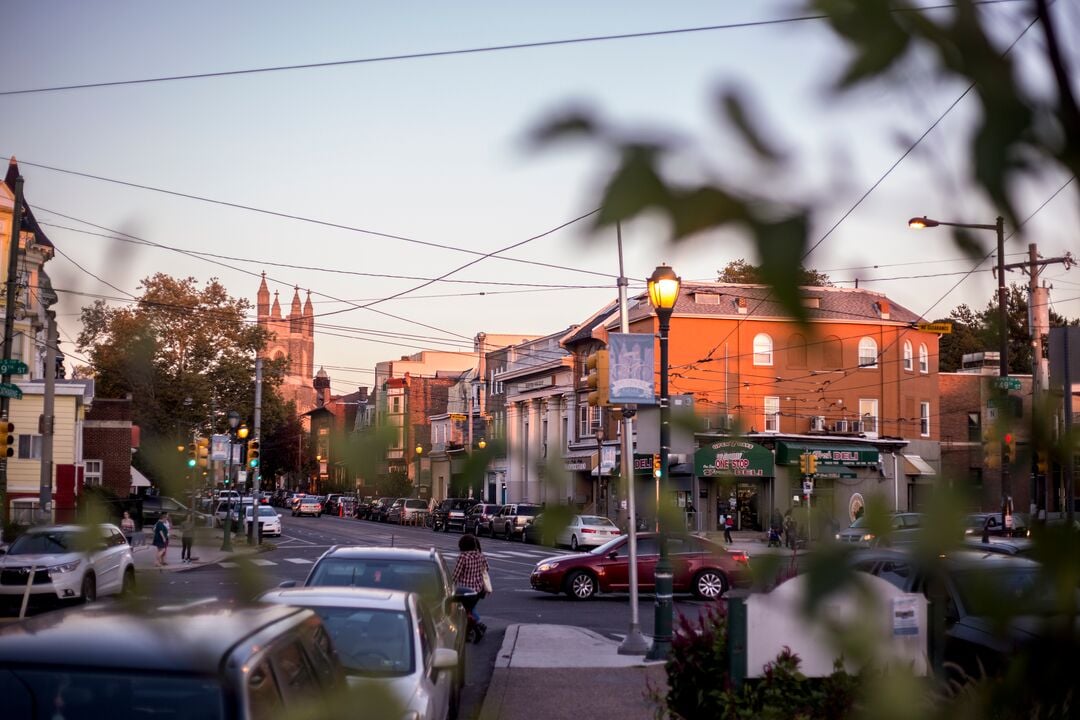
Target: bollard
[[736, 637]]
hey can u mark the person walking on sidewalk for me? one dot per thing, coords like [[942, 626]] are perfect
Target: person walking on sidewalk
[[187, 537], [161, 538], [729, 523], [471, 571], [127, 526]]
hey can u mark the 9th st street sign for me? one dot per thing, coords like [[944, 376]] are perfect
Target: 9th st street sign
[[9, 366]]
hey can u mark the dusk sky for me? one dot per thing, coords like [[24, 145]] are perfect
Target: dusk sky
[[437, 149]]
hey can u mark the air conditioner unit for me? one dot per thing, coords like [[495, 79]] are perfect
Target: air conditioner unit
[[856, 426], [841, 426], [817, 423]]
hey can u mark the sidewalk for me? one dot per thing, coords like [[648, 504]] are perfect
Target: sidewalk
[[205, 551], [563, 671]]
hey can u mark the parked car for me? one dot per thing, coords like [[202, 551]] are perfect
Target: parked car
[[587, 531], [208, 660], [904, 530], [419, 571], [513, 518], [68, 562], [384, 640], [331, 504], [380, 508], [307, 505], [269, 520], [404, 510], [699, 566], [480, 516], [976, 523], [1021, 546], [363, 507], [450, 514], [223, 509], [533, 533], [154, 505]]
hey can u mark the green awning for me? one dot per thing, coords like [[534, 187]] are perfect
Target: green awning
[[835, 472], [828, 454], [733, 458]]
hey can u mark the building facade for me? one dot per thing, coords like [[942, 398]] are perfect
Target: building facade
[[292, 338]]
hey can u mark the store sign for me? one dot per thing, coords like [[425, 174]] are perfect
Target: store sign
[[733, 458], [536, 384], [575, 464], [851, 455]]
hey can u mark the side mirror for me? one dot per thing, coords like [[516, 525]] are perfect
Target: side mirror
[[444, 659], [287, 584], [613, 554], [3, 551]]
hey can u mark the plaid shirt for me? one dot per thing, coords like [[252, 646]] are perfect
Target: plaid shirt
[[469, 571]]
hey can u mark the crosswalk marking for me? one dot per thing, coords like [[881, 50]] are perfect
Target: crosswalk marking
[[228, 564], [299, 561], [515, 553], [261, 562]]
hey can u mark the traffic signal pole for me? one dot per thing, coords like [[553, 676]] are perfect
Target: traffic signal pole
[[256, 471], [9, 326]]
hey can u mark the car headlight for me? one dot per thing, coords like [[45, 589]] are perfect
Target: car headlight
[[837, 536], [868, 537], [547, 566], [65, 568]]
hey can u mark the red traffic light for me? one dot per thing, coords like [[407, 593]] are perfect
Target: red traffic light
[[1008, 438]]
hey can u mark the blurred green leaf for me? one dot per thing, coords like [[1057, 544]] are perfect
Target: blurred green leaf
[[733, 106], [634, 187], [781, 246], [873, 29], [569, 124]]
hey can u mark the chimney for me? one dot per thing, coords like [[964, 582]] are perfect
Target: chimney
[[740, 304], [883, 308]]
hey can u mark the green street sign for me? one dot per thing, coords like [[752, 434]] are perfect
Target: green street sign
[[10, 390], [9, 366], [1007, 383]]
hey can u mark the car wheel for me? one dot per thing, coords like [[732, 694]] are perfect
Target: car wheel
[[89, 589], [127, 588], [573, 542], [710, 585], [580, 585]]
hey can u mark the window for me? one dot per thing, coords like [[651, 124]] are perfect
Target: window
[[589, 419], [29, 447], [924, 359], [92, 472], [924, 419], [762, 349], [867, 353], [395, 405], [974, 425], [772, 414], [832, 353], [868, 414], [909, 362], [796, 350]]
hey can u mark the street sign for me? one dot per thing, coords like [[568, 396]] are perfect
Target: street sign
[[941, 328], [219, 448], [10, 390], [1006, 383], [13, 367], [808, 487]]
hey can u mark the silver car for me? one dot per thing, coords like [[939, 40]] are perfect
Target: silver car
[[67, 562], [904, 529]]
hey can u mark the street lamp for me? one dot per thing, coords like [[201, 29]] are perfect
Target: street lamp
[[419, 451], [600, 469], [234, 422], [663, 292], [920, 223]]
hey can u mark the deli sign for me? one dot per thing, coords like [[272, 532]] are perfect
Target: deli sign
[[733, 458]]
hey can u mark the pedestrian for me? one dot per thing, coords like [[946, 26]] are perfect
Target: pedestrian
[[187, 537], [127, 526], [161, 538], [471, 571], [789, 530], [729, 523]]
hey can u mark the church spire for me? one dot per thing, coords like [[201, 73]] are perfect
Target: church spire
[[262, 301], [294, 311], [275, 310], [309, 315]]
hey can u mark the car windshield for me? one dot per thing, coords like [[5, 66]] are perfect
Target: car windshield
[[860, 522], [529, 510], [43, 543], [608, 546], [127, 696], [419, 576], [456, 505], [415, 504], [264, 511], [983, 590], [370, 642], [596, 520], [311, 499]]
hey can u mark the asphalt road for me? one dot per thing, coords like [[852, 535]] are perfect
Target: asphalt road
[[304, 539]]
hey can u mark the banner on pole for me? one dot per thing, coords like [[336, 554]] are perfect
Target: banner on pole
[[633, 369]]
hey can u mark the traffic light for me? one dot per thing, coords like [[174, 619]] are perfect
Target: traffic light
[[7, 438], [811, 464], [804, 466], [1041, 463], [203, 452], [192, 454], [253, 453], [1008, 448], [656, 469], [991, 451], [598, 380]]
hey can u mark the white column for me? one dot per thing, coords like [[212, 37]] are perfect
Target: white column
[[515, 451]]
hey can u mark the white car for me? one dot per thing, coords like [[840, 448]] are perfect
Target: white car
[[385, 640], [68, 562], [587, 531], [269, 519]]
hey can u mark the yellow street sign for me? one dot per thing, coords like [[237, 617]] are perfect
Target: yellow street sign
[[941, 328]]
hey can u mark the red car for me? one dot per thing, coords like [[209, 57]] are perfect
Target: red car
[[702, 567]]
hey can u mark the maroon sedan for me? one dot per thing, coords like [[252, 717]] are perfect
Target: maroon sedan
[[701, 567]]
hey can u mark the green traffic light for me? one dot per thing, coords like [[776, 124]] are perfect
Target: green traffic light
[[191, 463]]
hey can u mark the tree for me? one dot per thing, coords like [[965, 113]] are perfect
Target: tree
[[966, 337], [740, 271], [184, 353]]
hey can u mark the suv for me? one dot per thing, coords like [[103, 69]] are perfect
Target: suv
[[904, 529], [222, 663], [379, 508], [480, 517], [420, 571], [450, 514], [512, 519]]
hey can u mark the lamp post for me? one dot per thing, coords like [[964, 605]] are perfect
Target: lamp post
[[234, 422], [480, 490], [663, 292], [419, 451], [600, 469], [919, 223]]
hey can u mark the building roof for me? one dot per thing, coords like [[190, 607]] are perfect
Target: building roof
[[584, 330], [29, 223]]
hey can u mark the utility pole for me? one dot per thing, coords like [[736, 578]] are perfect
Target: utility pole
[[256, 472], [48, 415], [1038, 326], [9, 326]]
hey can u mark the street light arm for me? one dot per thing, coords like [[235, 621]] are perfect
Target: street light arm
[[920, 223]]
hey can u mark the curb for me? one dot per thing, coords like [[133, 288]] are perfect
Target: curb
[[506, 650]]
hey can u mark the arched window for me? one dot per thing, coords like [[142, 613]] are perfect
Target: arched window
[[908, 359], [832, 353], [762, 349], [867, 353], [924, 359], [796, 351]]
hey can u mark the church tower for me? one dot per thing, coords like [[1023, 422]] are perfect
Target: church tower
[[291, 338]]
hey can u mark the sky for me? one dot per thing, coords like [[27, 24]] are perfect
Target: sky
[[439, 150]]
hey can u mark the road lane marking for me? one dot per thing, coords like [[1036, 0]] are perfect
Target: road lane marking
[[262, 563], [228, 564], [299, 561]]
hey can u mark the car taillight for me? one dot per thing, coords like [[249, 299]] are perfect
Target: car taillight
[[741, 557], [587, 530]]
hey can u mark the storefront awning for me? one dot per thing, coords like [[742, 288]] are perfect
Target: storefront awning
[[828, 454], [138, 479], [733, 458], [915, 465], [835, 472]]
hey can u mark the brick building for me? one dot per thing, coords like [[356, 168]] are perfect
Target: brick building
[[108, 440]]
